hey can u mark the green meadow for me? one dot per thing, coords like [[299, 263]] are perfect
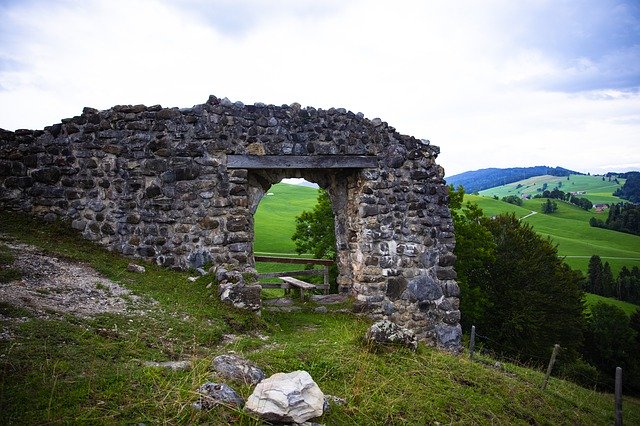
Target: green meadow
[[596, 189], [569, 228], [274, 221]]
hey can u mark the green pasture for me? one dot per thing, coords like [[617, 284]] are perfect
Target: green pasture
[[592, 299], [274, 221], [569, 228], [596, 190]]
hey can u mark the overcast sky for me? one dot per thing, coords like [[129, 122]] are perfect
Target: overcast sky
[[493, 83]]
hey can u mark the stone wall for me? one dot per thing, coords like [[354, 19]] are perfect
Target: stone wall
[[154, 183]]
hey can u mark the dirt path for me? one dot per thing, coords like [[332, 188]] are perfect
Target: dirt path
[[51, 285]]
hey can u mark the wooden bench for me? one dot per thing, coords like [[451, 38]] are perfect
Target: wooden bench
[[324, 272], [288, 282]]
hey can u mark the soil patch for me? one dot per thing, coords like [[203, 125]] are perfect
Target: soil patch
[[52, 285]]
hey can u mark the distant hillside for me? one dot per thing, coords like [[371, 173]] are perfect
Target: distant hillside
[[594, 188], [478, 180]]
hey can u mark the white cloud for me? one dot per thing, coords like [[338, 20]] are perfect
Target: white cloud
[[467, 76]]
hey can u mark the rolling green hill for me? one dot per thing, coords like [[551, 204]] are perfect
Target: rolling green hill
[[275, 218], [596, 190], [569, 229]]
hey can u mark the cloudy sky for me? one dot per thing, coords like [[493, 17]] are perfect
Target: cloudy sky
[[494, 83]]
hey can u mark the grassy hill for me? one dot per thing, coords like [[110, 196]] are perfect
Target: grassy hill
[[596, 190], [570, 230], [274, 221], [592, 299], [66, 369], [478, 180]]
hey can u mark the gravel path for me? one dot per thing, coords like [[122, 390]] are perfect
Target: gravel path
[[51, 285]]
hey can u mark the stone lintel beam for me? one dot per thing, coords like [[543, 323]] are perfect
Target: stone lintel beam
[[301, 162]]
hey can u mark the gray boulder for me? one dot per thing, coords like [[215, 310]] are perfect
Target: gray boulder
[[241, 296], [213, 394], [386, 332], [287, 397], [235, 368]]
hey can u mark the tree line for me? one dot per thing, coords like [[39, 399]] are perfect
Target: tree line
[[631, 188], [583, 203], [623, 217], [600, 280]]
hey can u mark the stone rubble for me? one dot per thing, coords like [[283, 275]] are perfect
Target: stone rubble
[[386, 332]]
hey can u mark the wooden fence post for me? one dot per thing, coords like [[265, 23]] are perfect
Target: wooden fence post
[[472, 342], [550, 367], [618, 421]]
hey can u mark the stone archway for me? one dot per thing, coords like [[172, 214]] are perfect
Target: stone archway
[[340, 184], [179, 186]]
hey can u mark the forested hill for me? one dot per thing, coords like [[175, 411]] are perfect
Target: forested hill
[[631, 188], [478, 180]]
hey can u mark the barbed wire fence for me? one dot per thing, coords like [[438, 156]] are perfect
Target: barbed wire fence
[[486, 350]]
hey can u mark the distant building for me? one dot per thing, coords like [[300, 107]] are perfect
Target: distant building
[[600, 207]]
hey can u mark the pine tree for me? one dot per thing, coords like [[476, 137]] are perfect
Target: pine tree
[[608, 283], [595, 274]]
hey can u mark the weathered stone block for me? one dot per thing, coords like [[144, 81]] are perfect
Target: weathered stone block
[[422, 288], [49, 175]]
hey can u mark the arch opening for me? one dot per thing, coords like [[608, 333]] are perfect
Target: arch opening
[[340, 187]]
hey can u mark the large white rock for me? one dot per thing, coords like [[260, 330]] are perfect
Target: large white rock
[[287, 397]]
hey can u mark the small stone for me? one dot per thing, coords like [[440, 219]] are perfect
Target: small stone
[[192, 279], [171, 365], [213, 394], [236, 368], [132, 267]]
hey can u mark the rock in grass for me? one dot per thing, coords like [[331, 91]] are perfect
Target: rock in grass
[[132, 267], [213, 394], [172, 365], [287, 397], [241, 296], [330, 400], [386, 332], [235, 368]]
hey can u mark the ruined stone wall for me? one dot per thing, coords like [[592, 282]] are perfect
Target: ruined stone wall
[[154, 183]]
